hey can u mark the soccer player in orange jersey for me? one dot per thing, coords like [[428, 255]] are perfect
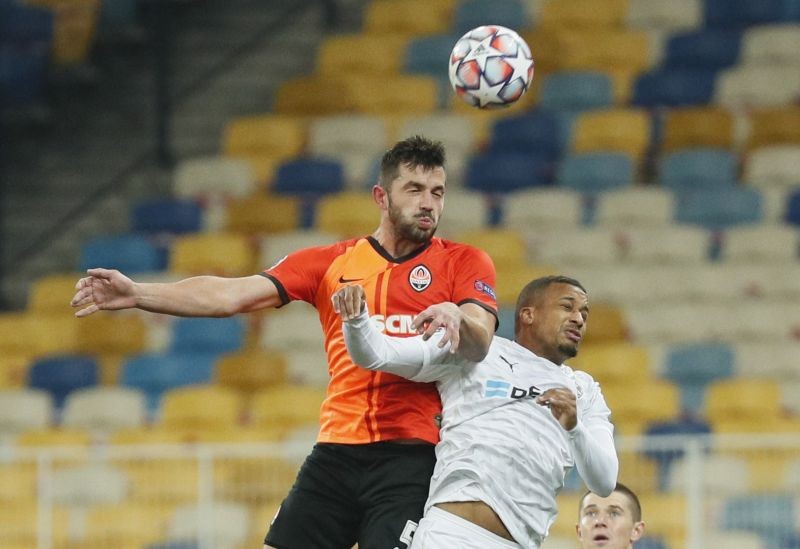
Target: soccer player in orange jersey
[[366, 480]]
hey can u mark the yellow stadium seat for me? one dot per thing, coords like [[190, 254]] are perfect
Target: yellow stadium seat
[[263, 514], [52, 333], [774, 126], [617, 130], [162, 481], [52, 293], [346, 214], [253, 481], [613, 362], [582, 14], [112, 333], [605, 50], [263, 213], [200, 407], [665, 516], [272, 136], [315, 95], [19, 524], [767, 471], [638, 472], [607, 324], [286, 405], [634, 405], [567, 518], [738, 398], [155, 434], [251, 370], [133, 523], [511, 280], [505, 246], [15, 335], [408, 17], [218, 254], [397, 95], [17, 483], [14, 368], [72, 437], [74, 28], [691, 127], [348, 55], [545, 44]]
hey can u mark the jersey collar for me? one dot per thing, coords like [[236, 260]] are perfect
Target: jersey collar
[[386, 255]]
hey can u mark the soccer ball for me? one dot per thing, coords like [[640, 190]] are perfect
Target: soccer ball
[[490, 67]]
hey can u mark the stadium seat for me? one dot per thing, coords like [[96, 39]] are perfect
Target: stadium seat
[[346, 214], [275, 246], [201, 407], [745, 13], [112, 334], [129, 253], [87, 485], [609, 325], [537, 132], [666, 522], [781, 366], [703, 49], [49, 437], [775, 44], [402, 94], [605, 50], [751, 86], [429, 54], [764, 514], [475, 13], [719, 476], [734, 539], [224, 524], [166, 216], [213, 176], [408, 18], [663, 456], [248, 371], [289, 328], [60, 375], [655, 15], [771, 244], [248, 215], [208, 335], [635, 207], [314, 95], [127, 522], [104, 409], [307, 176], [793, 209], [582, 15], [698, 169], [576, 91], [286, 406], [773, 167], [697, 127], [541, 208], [51, 293], [223, 254], [156, 373], [377, 54], [46, 333], [774, 126], [505, 247], [575, 247], [614, 363], [666, 245], [497, 173], [598, 172], [352, 140], [24, 409], [743, 399], [635, 405], [674, 87], [465, 211], [616, 130], [510, 281], [271, 136], [693, 366], [719, 208]]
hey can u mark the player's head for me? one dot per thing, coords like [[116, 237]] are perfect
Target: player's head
[[613, 522], [410, 189], [551, 316]]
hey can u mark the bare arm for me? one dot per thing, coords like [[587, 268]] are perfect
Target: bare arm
[[212, 296], [469, 328]]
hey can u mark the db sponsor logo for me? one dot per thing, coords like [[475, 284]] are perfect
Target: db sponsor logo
[[419, 278], [394, 324]]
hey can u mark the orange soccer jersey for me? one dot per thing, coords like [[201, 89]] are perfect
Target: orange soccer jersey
[[364, 406]]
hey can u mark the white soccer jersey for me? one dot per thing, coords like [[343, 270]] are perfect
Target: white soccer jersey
[[497, 444]]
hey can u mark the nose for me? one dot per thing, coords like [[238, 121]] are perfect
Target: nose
[[577, 318]]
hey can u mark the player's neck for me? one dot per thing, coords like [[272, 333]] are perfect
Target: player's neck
[[394, 246]]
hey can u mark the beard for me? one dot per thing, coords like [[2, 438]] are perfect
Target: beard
[[407, 229], [569, 350]]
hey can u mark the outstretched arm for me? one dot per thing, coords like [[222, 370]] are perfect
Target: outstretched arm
[[591, 439], [212, 296]]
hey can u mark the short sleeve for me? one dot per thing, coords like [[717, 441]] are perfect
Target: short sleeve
[[475, 278], [299, 274]]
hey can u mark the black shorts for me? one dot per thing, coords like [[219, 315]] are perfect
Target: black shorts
[[372, 494]]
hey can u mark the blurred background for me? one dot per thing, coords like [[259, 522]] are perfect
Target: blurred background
[[656, 158]]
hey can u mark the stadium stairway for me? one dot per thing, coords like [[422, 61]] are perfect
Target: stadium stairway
[[228, 57]]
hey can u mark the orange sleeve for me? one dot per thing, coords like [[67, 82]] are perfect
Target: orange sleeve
[[299, 274], [475, 279]]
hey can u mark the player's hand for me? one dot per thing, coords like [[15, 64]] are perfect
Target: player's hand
[[349, 301], [442, 315], [563, 405], [103, 289]]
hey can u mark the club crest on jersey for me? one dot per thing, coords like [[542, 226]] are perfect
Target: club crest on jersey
[[420, 278]]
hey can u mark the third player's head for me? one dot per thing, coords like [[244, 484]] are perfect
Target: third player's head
[[613, 522], [551, 316], [410, 190]]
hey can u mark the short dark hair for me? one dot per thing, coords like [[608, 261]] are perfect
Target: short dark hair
[[534, 289], [414, 151], [636, 506]]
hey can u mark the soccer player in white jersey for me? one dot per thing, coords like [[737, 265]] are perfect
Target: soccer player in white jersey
[[612, 522], [512, 425]]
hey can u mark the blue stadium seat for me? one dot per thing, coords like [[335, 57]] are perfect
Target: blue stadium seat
[[537, 132], [719, 208], [595, 172], [60, 375], [429, 54], [738, 14], [693, 366], [506, 316], [23, 25], [309, 177], [23, 75], [651, 542], [576, 91], [694, 169], [674, 87], [766, 514], [664, 458], [207, 335], [793, 208], [155, 373], [167, 215], [494, 173], [129, 253], [474, 13], [118, 15], [704, 49]]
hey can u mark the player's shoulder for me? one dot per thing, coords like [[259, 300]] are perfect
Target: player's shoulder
[[582, 379], [458, 249]]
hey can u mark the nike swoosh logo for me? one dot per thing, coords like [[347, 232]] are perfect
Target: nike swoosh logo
[[343, 280]]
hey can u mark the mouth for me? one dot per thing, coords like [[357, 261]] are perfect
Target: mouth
[[600, 539], [425, 222], [574, 336]]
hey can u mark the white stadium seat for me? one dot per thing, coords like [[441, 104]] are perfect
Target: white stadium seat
[[274, 246], [772, 44], [774, 166], [105, 408], [666, 244], [574, 247], [537, 209], [757, 86], [214, 176], [667, 16], [24, 409], [464, 211], [760, 243], [639, 207]]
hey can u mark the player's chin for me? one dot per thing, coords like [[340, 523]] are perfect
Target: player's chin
[[569, 350]]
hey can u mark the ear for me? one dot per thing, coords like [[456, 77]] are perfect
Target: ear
[[380, 196], [578, 531], [638, 531], [526, 315]]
